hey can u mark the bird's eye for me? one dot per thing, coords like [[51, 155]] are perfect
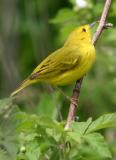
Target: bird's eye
[[84, 30]]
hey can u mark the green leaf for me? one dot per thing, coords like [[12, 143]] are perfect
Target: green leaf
[[64, 15], [30, 122], [49, 123], [5, 104], [22, 157], [105, 121], [97, 143], [26, 122], [79, 129]]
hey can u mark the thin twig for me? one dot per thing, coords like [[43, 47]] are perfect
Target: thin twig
[[102, 21], [75, 96]]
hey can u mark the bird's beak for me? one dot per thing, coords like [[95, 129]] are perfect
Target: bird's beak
[[92, 24]]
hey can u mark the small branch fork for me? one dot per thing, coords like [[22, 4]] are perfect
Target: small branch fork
[[76, 91]]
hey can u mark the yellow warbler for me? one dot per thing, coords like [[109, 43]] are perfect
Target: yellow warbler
[[66, 64]]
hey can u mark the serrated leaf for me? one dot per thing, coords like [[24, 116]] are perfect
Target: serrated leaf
[[96, 142], [26, 122], [79, 129], [29, 122], [105, 121]]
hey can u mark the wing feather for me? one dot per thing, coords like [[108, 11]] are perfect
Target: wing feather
[[57, 63]]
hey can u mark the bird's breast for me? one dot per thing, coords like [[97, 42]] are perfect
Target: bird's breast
[[86, 61]]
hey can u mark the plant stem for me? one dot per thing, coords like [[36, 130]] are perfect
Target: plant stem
[[76, 91]]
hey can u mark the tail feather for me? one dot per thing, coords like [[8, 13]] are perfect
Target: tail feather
[[24, 84]]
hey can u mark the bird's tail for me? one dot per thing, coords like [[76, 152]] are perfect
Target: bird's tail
[[23, 85]]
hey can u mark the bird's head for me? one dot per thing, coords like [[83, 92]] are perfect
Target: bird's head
[[81, 34]]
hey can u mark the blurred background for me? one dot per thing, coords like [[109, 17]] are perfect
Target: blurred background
[[30, 30]]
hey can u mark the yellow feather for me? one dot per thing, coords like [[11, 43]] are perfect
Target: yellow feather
[[66, 64], [24, 84]]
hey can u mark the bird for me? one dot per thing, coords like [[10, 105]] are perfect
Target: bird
[[68, 63]]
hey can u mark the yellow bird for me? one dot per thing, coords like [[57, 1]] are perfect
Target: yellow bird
[[67, 64]]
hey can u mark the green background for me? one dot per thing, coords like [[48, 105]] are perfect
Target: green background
[[31, 30]]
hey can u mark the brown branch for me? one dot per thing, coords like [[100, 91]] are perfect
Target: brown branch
[[102, 21], [75, 96]]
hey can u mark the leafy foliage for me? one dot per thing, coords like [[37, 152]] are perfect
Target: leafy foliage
[[40, 137], [34, 129]]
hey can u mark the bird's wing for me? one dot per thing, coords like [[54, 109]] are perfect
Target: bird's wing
[[57, 63]]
